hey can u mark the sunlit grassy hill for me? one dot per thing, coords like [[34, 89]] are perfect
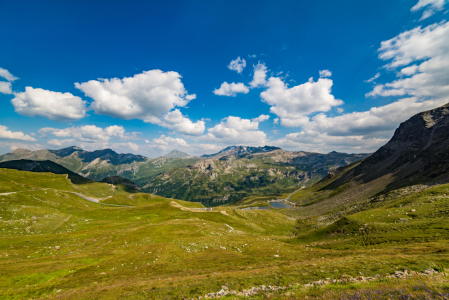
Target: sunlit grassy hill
[[56, 244]]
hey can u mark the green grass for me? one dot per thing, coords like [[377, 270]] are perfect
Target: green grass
[[54, 244]]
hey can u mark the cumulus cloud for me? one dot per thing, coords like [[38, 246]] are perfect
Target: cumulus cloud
[[292, 105], [91, 146], [55, 106], [5, 86], [231, 89], [261, 118], [237, 131], [431, 6], [7, 75], [18, 135], [428, 49], [150, 96], [357, 131], [373, 78], [325, 73], [164, 144], [88, 133], [237, 64], [260, 75], [174, 120]]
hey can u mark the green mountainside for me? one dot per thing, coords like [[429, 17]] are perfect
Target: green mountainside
[[373, 229], [224, 177], [99, 164], [238, 172], [60, 240]]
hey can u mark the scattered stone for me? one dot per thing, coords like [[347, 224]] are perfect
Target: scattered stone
[[343, 279]]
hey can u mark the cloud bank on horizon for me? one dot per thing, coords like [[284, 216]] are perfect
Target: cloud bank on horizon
[[413, 77]]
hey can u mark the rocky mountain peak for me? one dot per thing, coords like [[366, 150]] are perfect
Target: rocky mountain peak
[[177, 154], [419, 146]]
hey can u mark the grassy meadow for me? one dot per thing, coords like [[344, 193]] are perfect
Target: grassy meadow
[[56, 245]]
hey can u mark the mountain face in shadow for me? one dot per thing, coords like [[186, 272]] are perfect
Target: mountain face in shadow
[[418, 152], [43, 166]]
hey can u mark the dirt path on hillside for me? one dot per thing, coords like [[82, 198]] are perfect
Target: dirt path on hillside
[[181, 207], [96, 200]]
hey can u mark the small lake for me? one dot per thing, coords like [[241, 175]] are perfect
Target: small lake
[[280, 205], [273, 205]]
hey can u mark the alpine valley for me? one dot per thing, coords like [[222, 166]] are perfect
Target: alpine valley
[[373, 227], [225, 177]]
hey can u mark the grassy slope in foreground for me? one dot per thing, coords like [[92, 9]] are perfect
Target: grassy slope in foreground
[[55, 244]]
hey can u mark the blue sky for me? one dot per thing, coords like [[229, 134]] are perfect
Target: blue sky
[[197, 76]]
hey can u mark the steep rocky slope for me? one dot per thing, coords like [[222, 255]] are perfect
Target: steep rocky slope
[[417, 154], [236, 172]]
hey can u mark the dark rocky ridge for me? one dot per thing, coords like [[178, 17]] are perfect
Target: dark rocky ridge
[[43, 166], [132, 187], [418, 152]]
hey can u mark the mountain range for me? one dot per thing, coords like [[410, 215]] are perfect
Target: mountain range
[[99, 164], [224, 177]]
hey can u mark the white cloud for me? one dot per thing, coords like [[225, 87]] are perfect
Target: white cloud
[[325, 73], [237, 131], [164, 144], [174, 120], [373, 78], [150, 96], [8, 76], [5, 87], [357, 131], [431, 7], [260, 75], [231, 89], [52, 105], [340, 110], [293, 105], [8, 146], [428, 49], [261, 118], [87, 133], [422, 53], [92, 146], [276, 121], [18, 135], [237, 64]]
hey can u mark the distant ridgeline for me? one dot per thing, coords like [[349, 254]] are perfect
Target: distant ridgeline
[[240, 171], [43, 166], [99, 164], [224, 177]]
